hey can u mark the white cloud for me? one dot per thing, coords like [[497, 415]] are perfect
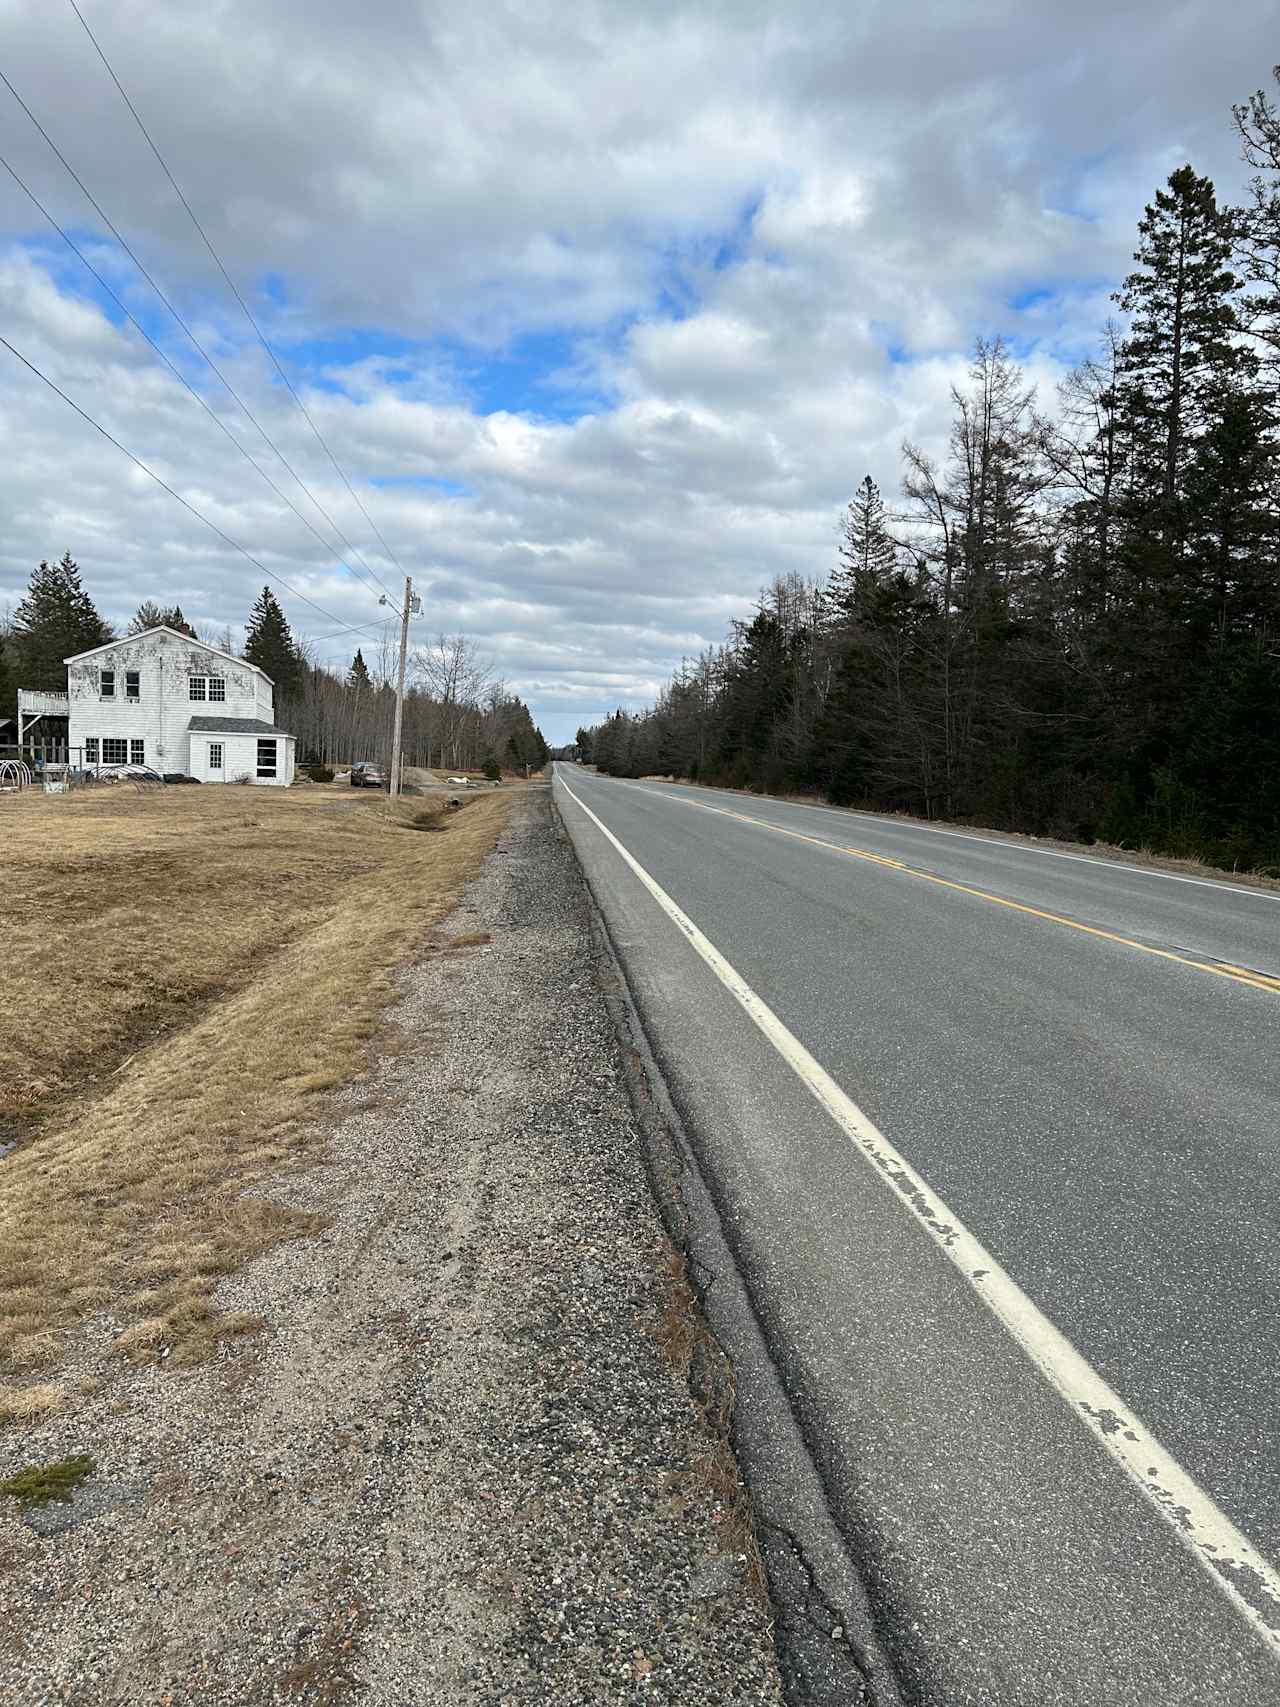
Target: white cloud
[[763, 241]]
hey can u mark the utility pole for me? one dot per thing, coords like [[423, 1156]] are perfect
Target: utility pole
[[404, 647]]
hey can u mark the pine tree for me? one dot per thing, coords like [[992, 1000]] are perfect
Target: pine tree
[[867, 551], [151, 615], [1184, 351], [270, 645], [148, 615], [55, 620]]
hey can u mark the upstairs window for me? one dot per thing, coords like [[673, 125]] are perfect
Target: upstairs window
[[197, 687], [107, 684], [132, 686], [217, 687]]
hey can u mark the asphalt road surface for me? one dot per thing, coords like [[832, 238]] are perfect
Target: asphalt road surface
[[994, 1134]]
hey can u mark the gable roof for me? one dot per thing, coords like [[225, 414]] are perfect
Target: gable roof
[[163, 628], [234, 726]]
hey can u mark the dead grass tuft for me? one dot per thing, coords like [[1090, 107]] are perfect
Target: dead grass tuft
[[713, 1475], [29, 1404], [192, 978], [677, 1327]]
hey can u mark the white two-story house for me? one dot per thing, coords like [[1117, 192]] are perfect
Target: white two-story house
[[163, 699]]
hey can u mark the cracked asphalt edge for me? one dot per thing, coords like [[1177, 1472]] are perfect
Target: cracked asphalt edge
[[830, 1650]]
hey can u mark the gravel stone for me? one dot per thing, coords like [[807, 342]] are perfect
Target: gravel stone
[[456, 1468]]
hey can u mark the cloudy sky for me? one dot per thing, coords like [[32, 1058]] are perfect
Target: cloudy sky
[[604, 310]]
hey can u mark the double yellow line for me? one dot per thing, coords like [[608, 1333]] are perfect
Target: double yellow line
[[1219, 969]]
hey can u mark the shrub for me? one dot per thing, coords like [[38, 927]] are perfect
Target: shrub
[[320, 773], [491, 768]]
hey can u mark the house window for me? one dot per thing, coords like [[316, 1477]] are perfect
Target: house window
[[266, 758], [196, 686], [114, 751], [91, 749], [215, 755], [137, 750], [107, 684], [132, 689], [217, 687]]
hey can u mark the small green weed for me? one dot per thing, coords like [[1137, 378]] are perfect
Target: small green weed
[[46, 1482]]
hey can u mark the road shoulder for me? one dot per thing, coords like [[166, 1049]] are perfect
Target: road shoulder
[[464, 1464]]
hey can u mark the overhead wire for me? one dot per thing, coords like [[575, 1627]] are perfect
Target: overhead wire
[[222, 534], [234, 288], [174, 369], [191, 336]]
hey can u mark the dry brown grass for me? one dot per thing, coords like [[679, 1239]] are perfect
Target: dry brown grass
[[691, 1349], [186, 971]]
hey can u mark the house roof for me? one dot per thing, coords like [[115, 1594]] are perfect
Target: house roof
[[234, 726], [163, 628]]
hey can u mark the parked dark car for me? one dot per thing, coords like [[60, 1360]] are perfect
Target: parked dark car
[[368, 776]]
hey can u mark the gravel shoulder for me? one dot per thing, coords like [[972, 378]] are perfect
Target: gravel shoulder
[[462, 1463]]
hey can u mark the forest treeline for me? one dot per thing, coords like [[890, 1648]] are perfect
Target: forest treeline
[[457, 714], [1070, 623]]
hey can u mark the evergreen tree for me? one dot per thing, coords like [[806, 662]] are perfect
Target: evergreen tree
[[55, 620], [1184, 352], [358, 675], [270, 645], [151, 615], [148, 615], [867, 551]]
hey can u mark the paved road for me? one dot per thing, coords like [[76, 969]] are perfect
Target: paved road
[[1081, 1062]]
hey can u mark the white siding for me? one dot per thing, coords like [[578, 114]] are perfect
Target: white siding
[[160, 716], [240, 758]]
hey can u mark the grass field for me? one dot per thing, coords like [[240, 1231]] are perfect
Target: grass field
[[184, 972]]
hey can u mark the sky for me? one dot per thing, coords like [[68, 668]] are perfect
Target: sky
[[602, 310]]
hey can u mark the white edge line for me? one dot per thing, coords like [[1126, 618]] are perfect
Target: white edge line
[[1220, 1549], [993, 841]]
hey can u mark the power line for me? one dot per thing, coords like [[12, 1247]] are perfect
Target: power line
[[197, 345], [186, 504], [173, 367], [262, 339]]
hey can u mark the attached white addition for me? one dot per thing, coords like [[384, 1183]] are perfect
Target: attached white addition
[[165, 700]]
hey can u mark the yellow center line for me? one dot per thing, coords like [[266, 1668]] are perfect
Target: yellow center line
[[1219, 969]]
